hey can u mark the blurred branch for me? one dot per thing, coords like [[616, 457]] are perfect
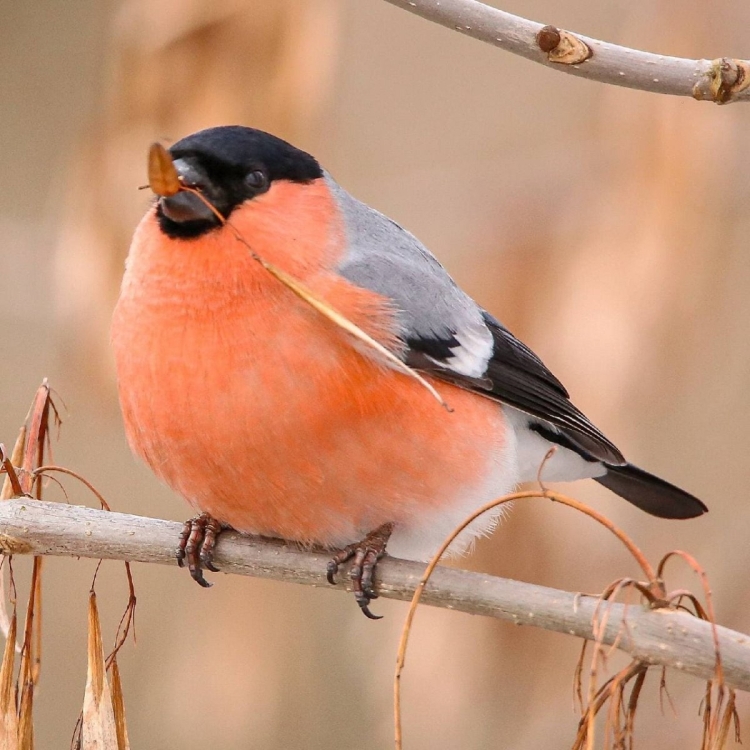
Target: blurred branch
[[670, 638], [722, 80]]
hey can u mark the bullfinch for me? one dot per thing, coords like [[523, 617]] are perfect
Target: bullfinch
[[269, 418]]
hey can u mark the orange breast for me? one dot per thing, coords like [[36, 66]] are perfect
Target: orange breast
[[260, 411]]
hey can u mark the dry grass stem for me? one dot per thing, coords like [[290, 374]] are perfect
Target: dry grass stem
[[719, 713], [544, 493], [164, 181]]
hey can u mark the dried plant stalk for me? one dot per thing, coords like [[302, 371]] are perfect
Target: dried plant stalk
[[621, 716], [321, 305], [8, 714], [98, 729], [118, 705]]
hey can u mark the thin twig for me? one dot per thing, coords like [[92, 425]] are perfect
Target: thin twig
[[674, 639], [722, 80], [293, 284]]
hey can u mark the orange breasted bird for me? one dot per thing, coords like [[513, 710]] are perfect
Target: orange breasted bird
[[270, 418]]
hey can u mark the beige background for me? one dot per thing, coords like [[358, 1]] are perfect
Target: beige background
[[608, 228]]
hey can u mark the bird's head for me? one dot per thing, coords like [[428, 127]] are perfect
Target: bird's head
[[231, 166]]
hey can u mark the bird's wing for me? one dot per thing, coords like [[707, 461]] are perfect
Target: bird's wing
[[447, 335]]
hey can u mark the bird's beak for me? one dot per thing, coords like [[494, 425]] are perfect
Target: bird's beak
[[187, 206]]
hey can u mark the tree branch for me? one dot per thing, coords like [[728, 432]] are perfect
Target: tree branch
[[722, 80], [669, 638]]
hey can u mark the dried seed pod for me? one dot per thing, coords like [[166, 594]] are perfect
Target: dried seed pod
[[98, 728], [162, 175]]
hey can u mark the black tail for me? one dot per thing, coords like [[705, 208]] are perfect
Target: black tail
[[649, 493]]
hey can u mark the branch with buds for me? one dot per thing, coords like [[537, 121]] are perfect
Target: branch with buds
[[670, 638], [722, 80]]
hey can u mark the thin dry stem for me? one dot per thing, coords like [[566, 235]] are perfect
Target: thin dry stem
[[321, 305], [711, 616], [44, 470], [544, 493], [11, 487], [14, 488], [127, 621]]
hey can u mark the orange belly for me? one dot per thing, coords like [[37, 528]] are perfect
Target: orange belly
[[261, 412]]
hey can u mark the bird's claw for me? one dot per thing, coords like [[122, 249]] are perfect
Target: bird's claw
[[197, 544], [364, 556]]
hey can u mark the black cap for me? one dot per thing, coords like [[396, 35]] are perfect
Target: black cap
[[229, 165]]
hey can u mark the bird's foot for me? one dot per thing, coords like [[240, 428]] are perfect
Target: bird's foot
[[196, 547], [365, 556]]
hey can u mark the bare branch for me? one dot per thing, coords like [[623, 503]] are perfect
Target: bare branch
[[722, 80], [670, 638]]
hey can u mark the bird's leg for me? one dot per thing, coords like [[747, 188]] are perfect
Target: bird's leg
[[365, 556], [196, 547]]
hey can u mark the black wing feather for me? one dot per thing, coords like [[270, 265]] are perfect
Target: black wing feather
[[517, 377]]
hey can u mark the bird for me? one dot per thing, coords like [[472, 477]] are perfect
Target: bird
[[271, 418]]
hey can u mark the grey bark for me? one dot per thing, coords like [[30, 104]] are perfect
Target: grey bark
[[670, 638], [722, 80]]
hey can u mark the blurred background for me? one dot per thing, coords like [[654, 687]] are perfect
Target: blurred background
[[607, 228]]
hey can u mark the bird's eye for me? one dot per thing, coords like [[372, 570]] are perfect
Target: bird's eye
[[257, 180]]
